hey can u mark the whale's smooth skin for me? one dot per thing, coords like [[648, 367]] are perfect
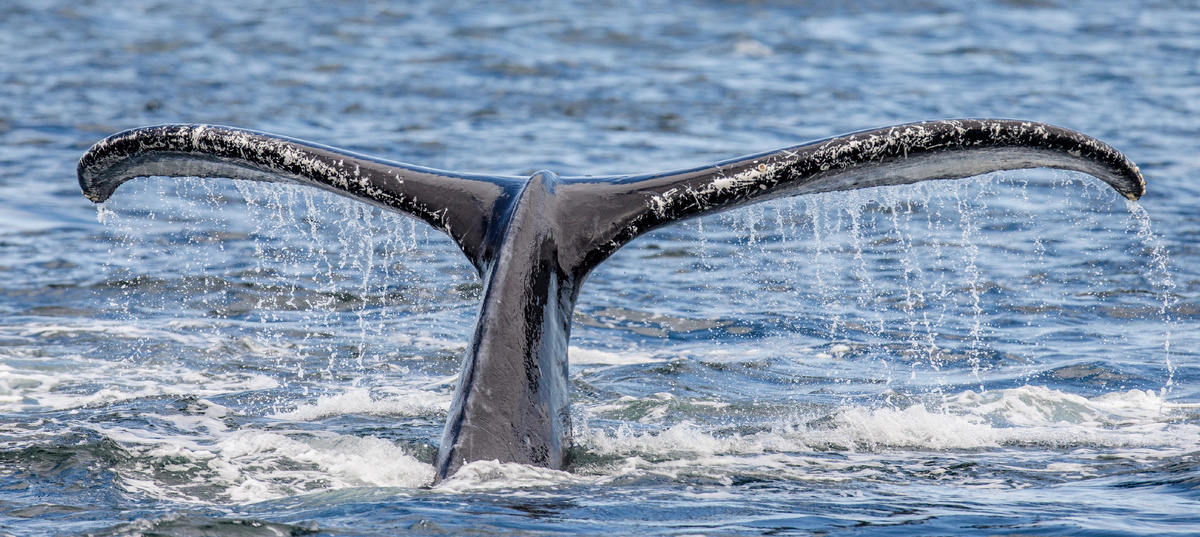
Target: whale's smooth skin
[[534, 240]]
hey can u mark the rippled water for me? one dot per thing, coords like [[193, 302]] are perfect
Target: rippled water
[[1010, 354]]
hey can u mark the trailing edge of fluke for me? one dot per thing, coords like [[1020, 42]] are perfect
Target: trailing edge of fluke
[[534, 240]]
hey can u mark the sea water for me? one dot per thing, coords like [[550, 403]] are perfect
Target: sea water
[[1007, 354]]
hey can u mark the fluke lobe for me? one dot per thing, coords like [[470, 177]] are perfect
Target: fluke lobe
[[534, 240]]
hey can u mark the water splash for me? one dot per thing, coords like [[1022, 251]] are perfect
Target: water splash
[[906, 280], [1160, 277]]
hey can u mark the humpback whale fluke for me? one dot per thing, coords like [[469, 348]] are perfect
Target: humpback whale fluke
[[534, 240]]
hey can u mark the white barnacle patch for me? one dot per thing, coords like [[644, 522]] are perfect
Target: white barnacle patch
[[721, 184], [703, 195], [198, 135], [959, 128], [739, 181], [661, 202], [997, 129]]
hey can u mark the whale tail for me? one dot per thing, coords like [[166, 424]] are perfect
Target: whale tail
[[534, 241]]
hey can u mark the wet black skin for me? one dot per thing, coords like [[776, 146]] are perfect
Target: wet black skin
[[534, 240]]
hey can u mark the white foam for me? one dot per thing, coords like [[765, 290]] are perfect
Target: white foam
[[116, 329], [249, 466], [37, 387], [1066, 438], [1025, 416], [28, 382], [409, 402], [654, 408], [492, 475], [1031, 406], [683, 438], [855, 442], [580, 356], [340, 460], [912, 427]]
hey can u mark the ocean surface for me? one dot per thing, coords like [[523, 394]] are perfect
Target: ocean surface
[[1011, 354]]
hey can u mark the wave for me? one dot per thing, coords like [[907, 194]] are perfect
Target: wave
[[1058, 435]]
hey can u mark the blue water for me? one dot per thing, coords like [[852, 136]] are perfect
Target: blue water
[[1015, 354]]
